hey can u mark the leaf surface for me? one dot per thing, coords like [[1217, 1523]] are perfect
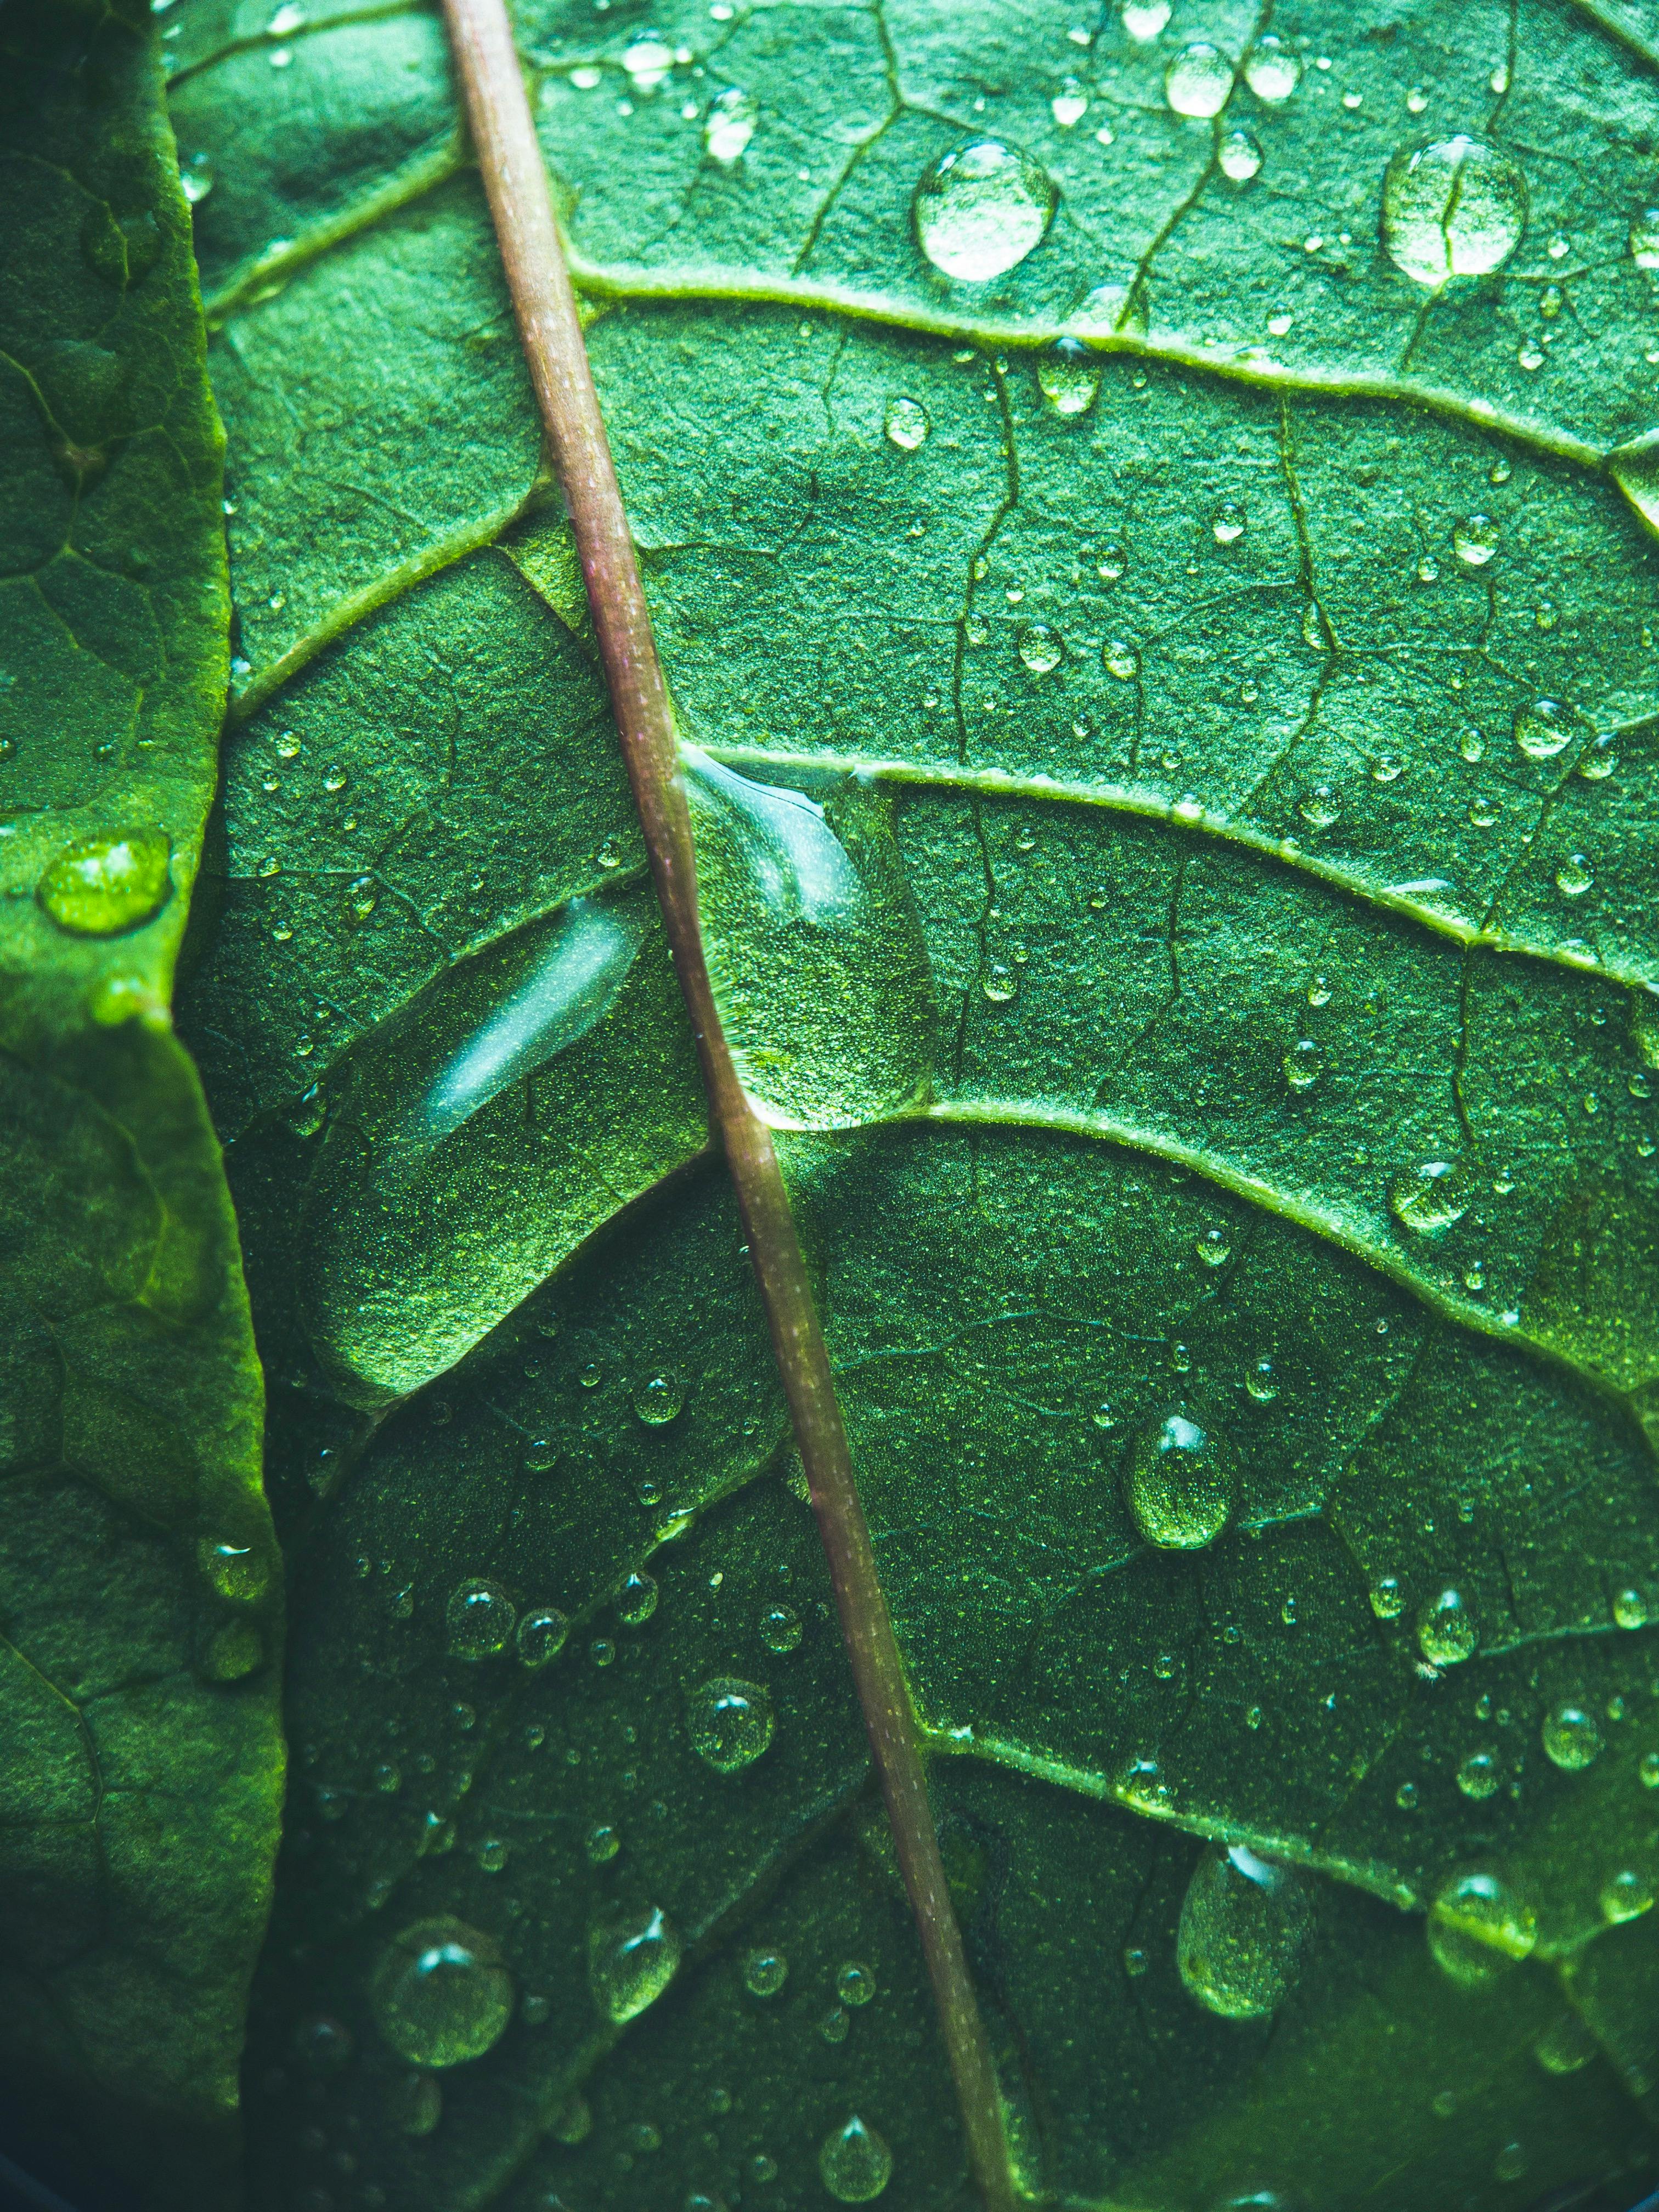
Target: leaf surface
[[1174, 784]]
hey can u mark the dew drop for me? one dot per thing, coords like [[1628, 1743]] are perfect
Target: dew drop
[[855, 1984], [1320, 807], [1242, 1927], [1227, 523], [660, 1397], [1120, 660], [1386, 1597], [1598, 760], [1069, 105], [1069, 379], [1041, 648], [1213, 1248], [731, 1722], [636, 1601], [1304, 1065], [1574, 877], [631, 1962], [1198, 81], [981, 209], [1239, 157], [441, 1993], [854, 2163], [479, 1618], [1431, 1197], [1626, 1895], [1446, 1630], [907, 424], [601, 1844], [1542, 728], [764, 1973], [780, 1629], [1261, 1383], [1272, 70], [1571, 1739], [100, 886], [1456, 208], [998, 982], [1180, 1482], [1477, 1927], [1478, 1777], [541, 1636], [729, 126], [1143, 19], [196, 178], [1644, 238], [1565, 2045], [1647, 1771], [1630, 1609], [1474, 540]]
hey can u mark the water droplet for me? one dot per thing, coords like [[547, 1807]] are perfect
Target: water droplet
[[1319, 807], [480, 1619], [1446, 1630], [1386, 1597], [658, 1400], [1542, 728], [238, 1573], [907, 424], [1069, 105], [815, 950], [1454, 208], [1239, 157], [1303, 1064], [1571, 1739], [492, 1855], [834, 2024], [731, 1722], [764, 1973], [541, 1635], [1406, 1796], [1180, 1482], [631, 1962], [730, 125], [1198, 81], [196, 178], [1598, 760], [1120, 660], [1068, 379], [1574, 877], [1135, 1962], [855, 1984], [854, 2163], [1510, 2162], [1227, 523], [1431, 1197], [1629, 1607], [1478, 1777], [1477, 1927], [1242, 1927], [981, 209], [418, 2105], [1644, 239], [1041, 648], [1647, 1771], [99, 886], [335, 779], [998, 982], [602, 1844], [1474, 540], [441, 1993], [1565, 2045], [1261, 1383], [636, 1601], [1272, 70], [1626, 1895], [780, 1629]]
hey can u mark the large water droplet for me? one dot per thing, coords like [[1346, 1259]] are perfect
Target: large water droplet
[[100, 886], [1478, 1926], [1180, 1482], [1198, 81], [980, 209], [731, 1722], [1041, 648], [1447, 1632], [1431, 1196], [814, 949], [441, 1993], [479, 1618], [1243, 1923], [1544, 726], [1474, 540], [631, 1962], [1454, 208], [541, 1635], [855, 2163], [1571, 1738], [1272, 70]]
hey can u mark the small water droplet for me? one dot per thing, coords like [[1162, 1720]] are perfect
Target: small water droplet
[[1570, 1737], [981, 209], [855, 1984], [1261, 1383], [636, 1601], [1478, 1777], [1244, 1924], [1574, 877], [541, 1635], [1629, 1608], [1304, 1065], [479, 1618], [1456, 208], [1041, 648], [1626, 1895], [1431, 1196], [1474, 540], [441, 1993], [1647, 1771], [631, 1962], [1272, 69], [764, 1973], [730, 125], [196, 178], [1239, 157], [660, 1397], [99, 886], [998, 982], [1565, 2045], [1227, 523], [1120, 660], [1069, 105], [907, 424], [1644, 239], [1068, 378], [601, 1844], [1386, 1597], [1477, 1926], [1446, 1630], [1198, 81], [731, 1722], [1213, 1248], [1598, 760], [1320, 807], [1180, 1482], [854, 2163], [781, 1629]]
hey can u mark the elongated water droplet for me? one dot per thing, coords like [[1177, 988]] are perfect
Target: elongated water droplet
[[1447, 1632], [541, 1635], [1303, 1064], [1454, 208], [441, 1993], [1644, 239], [1477, 1927], [731, 1722], [636, 1601], [1272, 70], [1180, 1481], [981, 209], [196, 178], [1239, 157], [815, 952], [1198, 81], [854, 2163], [630, 1962], [101, 886], [1243, 1928], [1068, 378], [730, 126]]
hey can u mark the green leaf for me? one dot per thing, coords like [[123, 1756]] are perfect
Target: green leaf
[[1173, 696], [141, 1772]]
